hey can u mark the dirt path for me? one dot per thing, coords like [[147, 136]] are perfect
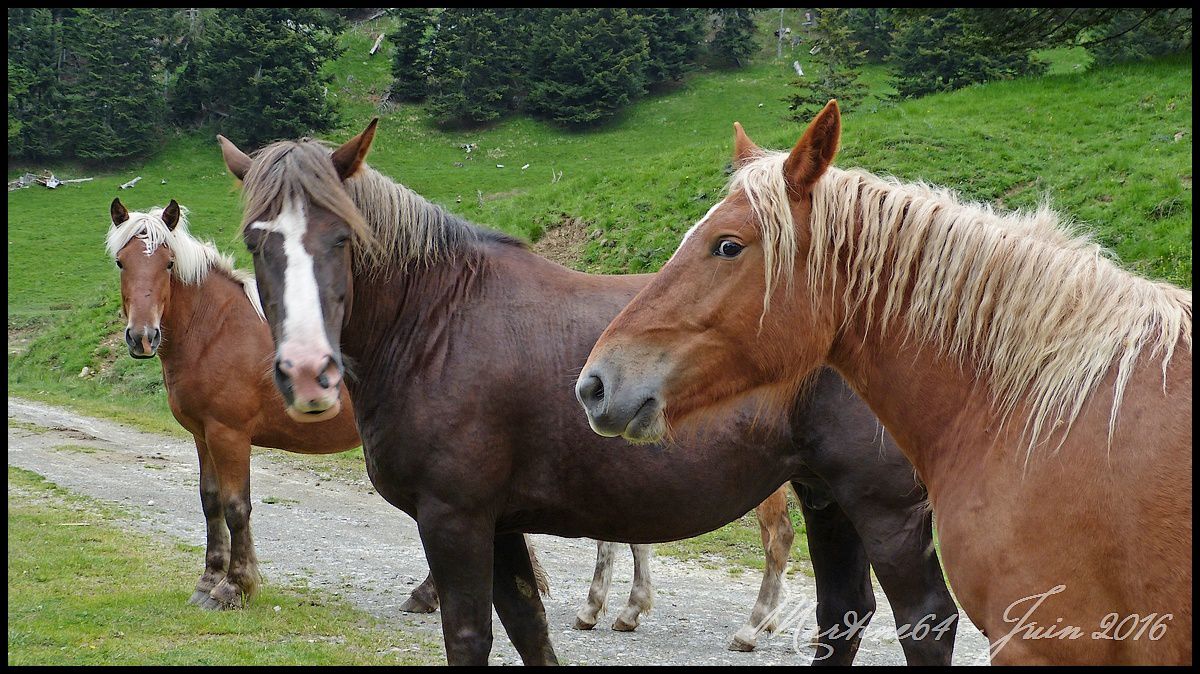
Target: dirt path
[[345, 539]]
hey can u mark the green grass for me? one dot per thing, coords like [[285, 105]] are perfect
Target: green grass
[[1110, 147], [85, 590]]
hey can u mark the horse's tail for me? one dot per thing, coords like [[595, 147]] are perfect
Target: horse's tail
[[539, 574]]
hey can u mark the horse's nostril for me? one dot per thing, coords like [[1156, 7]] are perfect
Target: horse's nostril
[[323, 380], [591, 390]]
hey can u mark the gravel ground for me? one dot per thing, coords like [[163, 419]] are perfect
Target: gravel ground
[[343, 538]]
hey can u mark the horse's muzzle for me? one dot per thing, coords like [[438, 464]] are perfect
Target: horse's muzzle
[[144, 343], [615, 407], [310, 386]]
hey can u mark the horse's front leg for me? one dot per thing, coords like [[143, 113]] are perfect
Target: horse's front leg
[[216, 555], [597, 597], [230, 450], [777, 536], [898, 534], [641, 595], [845, 598], [515, 593], [459, 549]]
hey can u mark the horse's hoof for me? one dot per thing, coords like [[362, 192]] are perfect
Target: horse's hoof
[[210, 604], [581, 624], [414, 605], [197, 597], [622, 625], [743, 643]]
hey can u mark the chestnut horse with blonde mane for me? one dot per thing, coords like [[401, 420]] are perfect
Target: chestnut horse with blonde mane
[[188, 304], [1043, 394], [463, 345]]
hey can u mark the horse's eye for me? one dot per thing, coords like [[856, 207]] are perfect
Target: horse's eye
[[728, 249], [119, 265], [341, 243], [171, 264]]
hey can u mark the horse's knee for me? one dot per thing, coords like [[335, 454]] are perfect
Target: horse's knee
[[237, 513], [468, 646]]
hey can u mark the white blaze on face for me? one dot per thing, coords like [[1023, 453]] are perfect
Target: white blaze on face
[[303, 325], [696, 226]]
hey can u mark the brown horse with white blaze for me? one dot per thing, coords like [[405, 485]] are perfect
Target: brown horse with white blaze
[[1042, 393], [462, 340]]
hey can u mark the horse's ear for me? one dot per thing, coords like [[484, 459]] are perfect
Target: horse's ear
[[170, 215], [237, 161], [348, 158], [744, 149], [815, 150], [118, 211]]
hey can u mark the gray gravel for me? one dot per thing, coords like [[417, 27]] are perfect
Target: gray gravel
[[343, 538]]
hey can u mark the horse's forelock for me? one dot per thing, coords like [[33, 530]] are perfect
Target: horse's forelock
[[298, 170]]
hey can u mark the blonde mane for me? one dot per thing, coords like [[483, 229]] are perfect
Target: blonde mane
[[1039, 308], [193, 258]]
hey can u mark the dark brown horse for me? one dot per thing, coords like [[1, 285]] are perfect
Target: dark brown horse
[[186, 303], [1043, 393], [463, 346]]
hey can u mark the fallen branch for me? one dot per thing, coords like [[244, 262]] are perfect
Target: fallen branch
[[131, 183], [375, 48]]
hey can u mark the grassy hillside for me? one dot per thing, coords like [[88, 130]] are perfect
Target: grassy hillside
[[1110, 147]]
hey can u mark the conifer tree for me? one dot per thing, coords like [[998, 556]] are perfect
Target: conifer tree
[[475, 59], [256, 73], [838, 59], [587, 64], [410, 64], [735, 40], [675, 36]]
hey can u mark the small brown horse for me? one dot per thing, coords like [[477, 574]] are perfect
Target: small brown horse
[[187, 303], [1043, 394], [464, 345]]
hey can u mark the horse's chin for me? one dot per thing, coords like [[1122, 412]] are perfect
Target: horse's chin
[[647, 430], [315, 416]]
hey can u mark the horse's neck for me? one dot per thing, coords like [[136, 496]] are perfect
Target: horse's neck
[[192, 313], [941, 418], [403, 313]]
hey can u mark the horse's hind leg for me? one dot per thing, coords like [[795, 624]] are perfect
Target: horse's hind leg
[[585, 618], [424, 599], [845, 598], [641, 596], [231, 451], [777, 536], [216, 556], [518, 603]]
